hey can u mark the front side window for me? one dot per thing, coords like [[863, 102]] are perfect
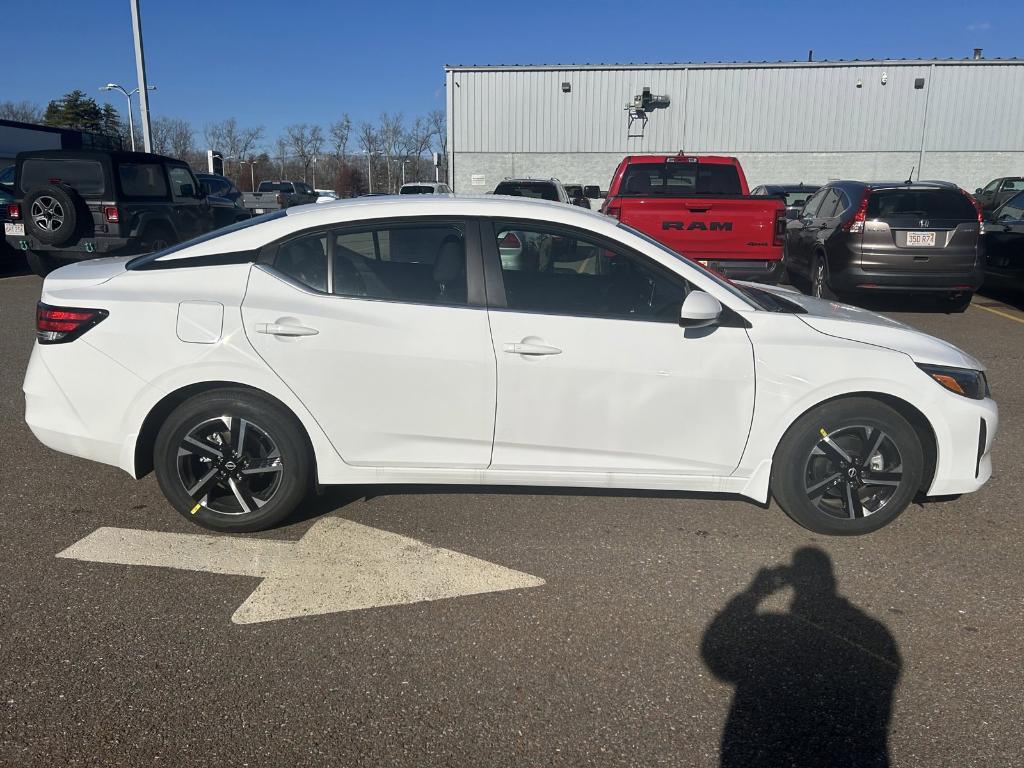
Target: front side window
[[992, 186], [565, 273], [423, 263], [84, 176], [304, 260], [181, 181], [1013, 209], [142, 180], [814, 203]]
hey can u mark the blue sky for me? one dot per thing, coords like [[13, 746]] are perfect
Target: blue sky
[[275, 62]]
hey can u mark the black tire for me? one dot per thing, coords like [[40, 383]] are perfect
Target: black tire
[[156, 237], [806, 469], [52, 214], [42, 263], [819, 278], [958, 304], [271, 474]]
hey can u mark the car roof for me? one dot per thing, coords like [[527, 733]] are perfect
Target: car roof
[[529, 180], [713, 159], [924, 184], [97, 154]]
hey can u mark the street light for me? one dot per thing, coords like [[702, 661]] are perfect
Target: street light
[[252, 172], [369, 171], [404, 163], [128, 94]]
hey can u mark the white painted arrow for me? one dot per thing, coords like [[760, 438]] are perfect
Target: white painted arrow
[[337, 566]]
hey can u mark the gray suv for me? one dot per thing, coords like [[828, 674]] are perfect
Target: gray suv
[[857, 237]]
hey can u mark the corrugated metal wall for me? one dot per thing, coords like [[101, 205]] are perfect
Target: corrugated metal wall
[[972, 106]]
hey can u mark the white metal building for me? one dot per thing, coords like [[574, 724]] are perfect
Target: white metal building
[[957, 120]]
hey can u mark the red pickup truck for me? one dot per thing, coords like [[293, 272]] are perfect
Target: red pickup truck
[[700, 207]]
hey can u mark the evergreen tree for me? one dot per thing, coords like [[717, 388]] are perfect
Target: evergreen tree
[[75, 110]]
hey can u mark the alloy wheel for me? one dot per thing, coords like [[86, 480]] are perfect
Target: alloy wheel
[[47, 213], [819, 279], [853, 472], [229, 465]]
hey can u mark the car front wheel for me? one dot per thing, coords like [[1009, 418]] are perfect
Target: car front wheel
[[232, 460], [847, 467]]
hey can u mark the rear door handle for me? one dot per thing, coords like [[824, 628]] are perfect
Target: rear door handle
[[522, 348], [285, 329]]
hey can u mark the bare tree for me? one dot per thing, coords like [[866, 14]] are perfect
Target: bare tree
[[172, 136], [306, 141], [21, 111], [340, 132], [390, 134], [227, 137]]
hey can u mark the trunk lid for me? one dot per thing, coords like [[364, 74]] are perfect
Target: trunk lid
[[82, 274]]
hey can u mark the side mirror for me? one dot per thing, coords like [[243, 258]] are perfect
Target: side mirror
[[977, 191], [793, 213], [699, 310], [187, 190]]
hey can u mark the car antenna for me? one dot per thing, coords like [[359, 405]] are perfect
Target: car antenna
[[910, 178]]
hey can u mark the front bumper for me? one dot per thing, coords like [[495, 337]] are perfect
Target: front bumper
[[964, 442], [851, 278]]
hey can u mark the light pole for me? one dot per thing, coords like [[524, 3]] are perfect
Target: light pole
[[369, 171], [252, 172], [128, 95], [314, 171], [404, 163]]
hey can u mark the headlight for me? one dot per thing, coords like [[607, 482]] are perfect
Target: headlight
[[963, 381]]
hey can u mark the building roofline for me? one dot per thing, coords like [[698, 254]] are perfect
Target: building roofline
[[732, 65]]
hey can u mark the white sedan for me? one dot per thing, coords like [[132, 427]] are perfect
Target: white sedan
[[386, 340]]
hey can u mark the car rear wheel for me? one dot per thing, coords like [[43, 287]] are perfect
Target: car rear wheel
[[819, 279], [847, 467], [957, 304], [232, 460]]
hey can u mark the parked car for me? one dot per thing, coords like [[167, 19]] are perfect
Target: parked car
[[253, 362], [700, 206], [794, 196], [224, 198], [325, 196], [575, 193], [540, 189], [1004, 245], [858, 237], [425, 188], [997, 192], [80, 204], [274, 195]]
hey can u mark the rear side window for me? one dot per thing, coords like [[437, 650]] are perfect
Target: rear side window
[[1013, 185], [536, 189], [84, 176], [680, 180], [142, 180], [304, 260], [921, 204], [423, 264]]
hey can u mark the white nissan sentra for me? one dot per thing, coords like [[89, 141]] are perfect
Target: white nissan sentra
[[489, 341]]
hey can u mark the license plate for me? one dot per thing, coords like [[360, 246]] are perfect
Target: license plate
[[14, 229], [920, 239], [259, 210]]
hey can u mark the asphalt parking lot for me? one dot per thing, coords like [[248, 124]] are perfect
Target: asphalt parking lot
[[645, 636]]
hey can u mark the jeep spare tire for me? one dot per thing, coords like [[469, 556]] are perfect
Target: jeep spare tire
[[51, 214]]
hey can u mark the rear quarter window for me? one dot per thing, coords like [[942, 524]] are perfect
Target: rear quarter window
[[84, 176], [142, 180]]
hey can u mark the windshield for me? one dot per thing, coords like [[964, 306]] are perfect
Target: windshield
[[148, 258]]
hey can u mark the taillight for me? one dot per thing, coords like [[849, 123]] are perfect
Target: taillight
[[856, 224], [57, 325], [14, 211], [977, 210], [111, 214], [510, 240], [615, 211], [280, 199], [780, 227]]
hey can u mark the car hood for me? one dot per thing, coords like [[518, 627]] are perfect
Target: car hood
[[847, 322]]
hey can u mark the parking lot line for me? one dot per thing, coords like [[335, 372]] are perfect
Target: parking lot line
[[999, 312]]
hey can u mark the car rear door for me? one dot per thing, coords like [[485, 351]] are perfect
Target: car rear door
[[381, 332], [594, 372], [913, 229]]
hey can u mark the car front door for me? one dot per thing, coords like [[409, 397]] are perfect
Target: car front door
[[1004, 241], [595, 373], [192, 214], [987, 196], [383, 338], [800, 234]]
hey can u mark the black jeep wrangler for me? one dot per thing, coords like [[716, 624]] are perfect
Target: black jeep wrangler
[[80, 204]]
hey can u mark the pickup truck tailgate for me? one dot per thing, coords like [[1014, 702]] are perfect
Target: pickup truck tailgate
[[712, 228]]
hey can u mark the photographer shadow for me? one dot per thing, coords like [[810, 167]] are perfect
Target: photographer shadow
[[814, 685]]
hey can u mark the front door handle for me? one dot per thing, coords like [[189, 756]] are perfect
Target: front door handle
[[285, 329], [526, 348]]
